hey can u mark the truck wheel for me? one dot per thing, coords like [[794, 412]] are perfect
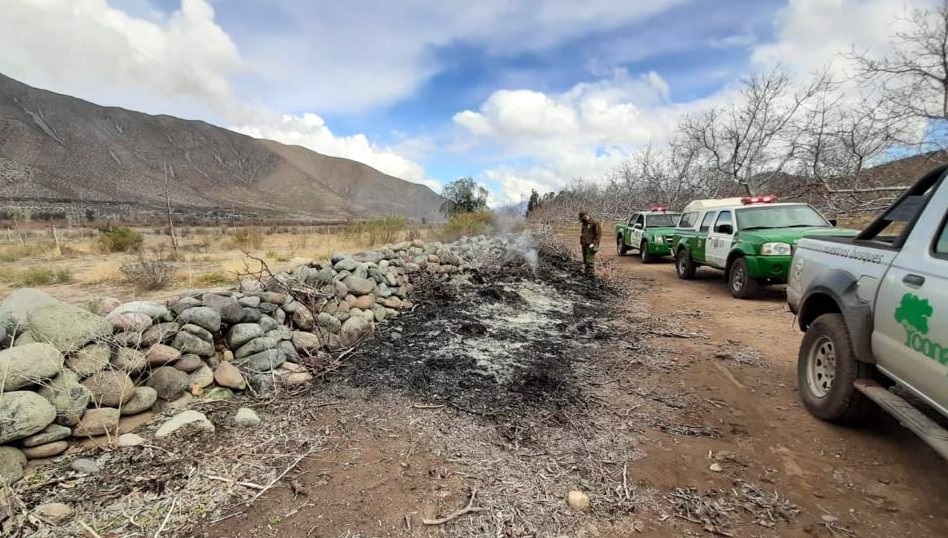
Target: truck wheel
[[742, 285], [621, 249], [644, 255], [826, 370], [684, 265]]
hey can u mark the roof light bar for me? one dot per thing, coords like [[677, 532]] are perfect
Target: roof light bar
[[749, 200], [659, 208]]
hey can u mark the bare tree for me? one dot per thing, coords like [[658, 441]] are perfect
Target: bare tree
[[751, 141], [169, 174], [913, 78]]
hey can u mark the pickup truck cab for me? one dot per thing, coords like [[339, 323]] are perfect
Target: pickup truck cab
[[650, 232], [874, 309], [751, 239]]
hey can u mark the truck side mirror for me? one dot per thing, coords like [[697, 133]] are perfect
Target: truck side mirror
[[725, 229], [833, 222], [637, 225]]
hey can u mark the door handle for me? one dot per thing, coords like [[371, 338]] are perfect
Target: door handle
[[915, 281]]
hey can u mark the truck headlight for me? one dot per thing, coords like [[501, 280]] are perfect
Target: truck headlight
[[659, 240], [775, 249]]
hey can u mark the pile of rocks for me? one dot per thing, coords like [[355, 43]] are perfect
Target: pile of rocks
[[68, 373]]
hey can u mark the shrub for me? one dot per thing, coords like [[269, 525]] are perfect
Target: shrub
[[215, 278], [248, 238], [150, 271], [467, 224], [120, 239], [379, 230], [13, 253]]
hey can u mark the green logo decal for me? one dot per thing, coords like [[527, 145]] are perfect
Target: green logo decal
[[913, 314]]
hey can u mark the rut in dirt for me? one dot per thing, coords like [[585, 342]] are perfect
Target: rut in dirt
[[501, 341]]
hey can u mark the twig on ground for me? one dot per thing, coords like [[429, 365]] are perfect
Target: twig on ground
[[278, 478], [167, 517], [454, 515], [250, 485], [89, 529]]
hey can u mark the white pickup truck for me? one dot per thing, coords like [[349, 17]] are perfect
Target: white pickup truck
[[875, 312]]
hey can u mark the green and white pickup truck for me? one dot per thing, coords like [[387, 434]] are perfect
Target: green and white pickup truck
[[649, 232], [875, 312], [751, 239]]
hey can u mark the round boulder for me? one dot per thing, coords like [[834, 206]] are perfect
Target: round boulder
[[204, 317], [101, 421], [169, 382], [46, 451], [50, 434], [189, 363], [189, 343], [141, 401], [358, 285], [229, 309], [129, 360], [22, 414], [67, 327], [131, 322], [28, 364], [228, 375], [242, 333], [160, 333], [160, 355], [68, 396], [110, 388], [12, 462], [203, 377], [354, 330]]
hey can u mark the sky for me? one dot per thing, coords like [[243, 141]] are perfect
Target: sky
[[519, 94]]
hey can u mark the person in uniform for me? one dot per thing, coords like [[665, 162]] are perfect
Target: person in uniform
[[589, 240]]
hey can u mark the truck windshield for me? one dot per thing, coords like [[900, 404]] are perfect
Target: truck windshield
[[780, 216], [668, 219]]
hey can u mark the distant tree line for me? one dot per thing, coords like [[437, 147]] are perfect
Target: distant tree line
[[812, 141]]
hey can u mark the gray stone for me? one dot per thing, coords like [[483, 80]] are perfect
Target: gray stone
[[292, 307], [376, 275], [280, 316], [342, 315], [169, 382], [203, 377], [127, 339], [304, 319], [142, 400], [22, 414], [129, 360], [183, 304], [328, 322], [28, 364], [151, 308], [218, 393], [268, 324], [229, 309], [68, 396], [249, 302], [131, 322], [51, 434], [379, 312], [228, 375], [288, 349], [188, 363], [101, 421], [12, 463], [320, 277], [263, 361], [255, 346], [242, 333], [48, 450], [358, 285], [272, 297], [109, 388], [280, 333], [268, 308], [361, 272], [189, 421], [306, 342], [84, 466], [160, 355], [261, 383], [55, 513], [198, 331], [189, 343], [251, 315], [178, 404], [246, 418], [204, 317], [384, 291], [346, 264], [16, 307], [67, 327], [354, 330], [161, 333]]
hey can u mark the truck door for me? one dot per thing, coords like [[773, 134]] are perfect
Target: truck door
[[720, 239], [638, 229], [910, 333], [698, 247]]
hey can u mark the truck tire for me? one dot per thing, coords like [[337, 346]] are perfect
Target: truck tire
[[826, 370], [621, 249], [644, 255], [684, 265], [740, 282]]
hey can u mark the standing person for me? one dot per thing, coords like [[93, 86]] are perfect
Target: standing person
[[589, 240]]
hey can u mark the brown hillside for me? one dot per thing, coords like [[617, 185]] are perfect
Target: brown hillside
[[58, 148]]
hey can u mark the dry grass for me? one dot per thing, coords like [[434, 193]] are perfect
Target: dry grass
[[206, 258]]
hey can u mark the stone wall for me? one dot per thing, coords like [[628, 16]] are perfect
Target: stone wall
[[67, 373]]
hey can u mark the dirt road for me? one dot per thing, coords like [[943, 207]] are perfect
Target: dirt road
[[878, 481], [688, 424]]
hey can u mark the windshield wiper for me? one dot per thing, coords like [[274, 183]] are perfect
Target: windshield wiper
[[757, 228], [803, 226]]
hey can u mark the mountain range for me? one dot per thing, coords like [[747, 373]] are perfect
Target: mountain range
[[57, 149]]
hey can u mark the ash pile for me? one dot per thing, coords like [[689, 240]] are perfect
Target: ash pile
[[501, 340]]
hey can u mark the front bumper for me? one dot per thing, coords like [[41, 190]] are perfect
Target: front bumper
[[660, 249], [771, 268]]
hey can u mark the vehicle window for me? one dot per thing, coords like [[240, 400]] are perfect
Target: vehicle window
[[892, 227], [941, 244], [632, 218], [779, 216], [688, 220], [640, 220], [708, 219], [668, 219], [723, 219]]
